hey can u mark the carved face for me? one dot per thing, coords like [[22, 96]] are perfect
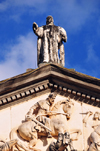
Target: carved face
[[51, 100], [96, 115]]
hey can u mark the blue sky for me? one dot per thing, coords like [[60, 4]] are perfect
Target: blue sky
[[18, 43]]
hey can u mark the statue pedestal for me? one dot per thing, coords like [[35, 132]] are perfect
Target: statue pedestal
[[47, 63]]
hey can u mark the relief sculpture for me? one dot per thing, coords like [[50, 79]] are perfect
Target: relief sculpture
[[49, 119], [62, 143], [95, 135], [11, 145], [7, 146], [94, 138]]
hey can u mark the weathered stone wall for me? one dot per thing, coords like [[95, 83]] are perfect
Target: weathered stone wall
[[13, 116]]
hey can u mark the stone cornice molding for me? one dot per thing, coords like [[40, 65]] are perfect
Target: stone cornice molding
[[53, 77]]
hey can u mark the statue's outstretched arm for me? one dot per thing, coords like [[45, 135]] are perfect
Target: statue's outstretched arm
[[35, 26], [38, 30]]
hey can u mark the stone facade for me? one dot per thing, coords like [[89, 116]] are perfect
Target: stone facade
[[74, 117]]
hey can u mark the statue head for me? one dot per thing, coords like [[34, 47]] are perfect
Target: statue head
[[51, 97], [96, 116], [49, 20], [68, 107]]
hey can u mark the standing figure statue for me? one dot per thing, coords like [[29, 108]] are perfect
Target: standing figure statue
[[50, 40]]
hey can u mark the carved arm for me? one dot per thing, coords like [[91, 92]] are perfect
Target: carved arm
[[36, 121], [87, 116], [38, 30]]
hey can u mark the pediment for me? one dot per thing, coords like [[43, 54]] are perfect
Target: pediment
[[19, 95], [49, 78], [77, 121]]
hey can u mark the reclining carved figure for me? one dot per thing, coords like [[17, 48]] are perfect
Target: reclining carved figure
[[7, 146], [10, 145]]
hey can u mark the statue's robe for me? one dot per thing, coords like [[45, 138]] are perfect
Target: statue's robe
[[50, 39]]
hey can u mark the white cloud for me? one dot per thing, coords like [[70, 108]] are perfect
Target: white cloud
[[4, 5], [19, 56], [91, 55], [72, 13], [14, 9]]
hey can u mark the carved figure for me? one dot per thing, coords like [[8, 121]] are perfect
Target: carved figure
[[8, 146], [31, 126], [62, 143], [88, 114], [94, 139], [61, 113], [50, 40], [37, 125], [95, 136], [41, 109]]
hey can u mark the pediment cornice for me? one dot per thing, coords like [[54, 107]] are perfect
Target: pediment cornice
[[53, 78]]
